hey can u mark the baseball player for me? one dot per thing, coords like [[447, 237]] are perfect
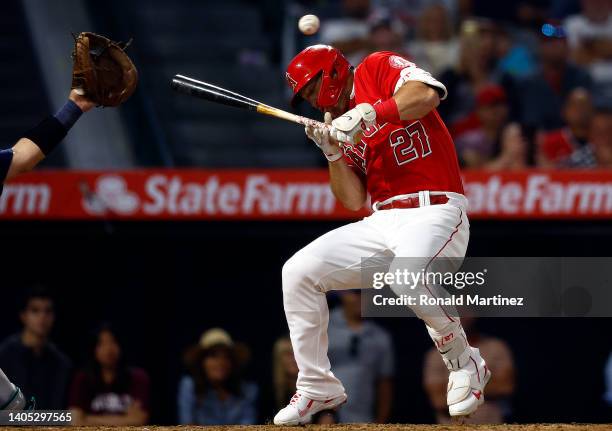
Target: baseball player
[[30, 150], [395, 148], [102, 75]]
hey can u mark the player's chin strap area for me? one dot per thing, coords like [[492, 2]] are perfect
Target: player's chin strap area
[[423, 198]]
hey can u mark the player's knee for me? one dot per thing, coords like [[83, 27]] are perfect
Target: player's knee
[[292, 271], [300, 271]]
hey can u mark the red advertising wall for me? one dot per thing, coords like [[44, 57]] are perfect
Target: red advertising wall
[[180, 194]]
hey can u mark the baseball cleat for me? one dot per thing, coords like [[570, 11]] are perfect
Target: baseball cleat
[[465, 392], [300, 409]]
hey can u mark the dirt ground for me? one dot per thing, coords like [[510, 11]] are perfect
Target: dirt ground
[[357, 427]]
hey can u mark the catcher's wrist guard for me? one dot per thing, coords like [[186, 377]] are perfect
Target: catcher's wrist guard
[[69, 114], [47, 135]]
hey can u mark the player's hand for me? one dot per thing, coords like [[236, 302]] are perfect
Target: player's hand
[[321, 137], [81, 101], [350, 126]]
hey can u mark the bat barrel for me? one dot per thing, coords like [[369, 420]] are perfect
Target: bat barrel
[[202, 91], [212, 93], [218, 89]]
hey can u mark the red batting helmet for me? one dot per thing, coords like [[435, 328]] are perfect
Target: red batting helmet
[[312, 61]]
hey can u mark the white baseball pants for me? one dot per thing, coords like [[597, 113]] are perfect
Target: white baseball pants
[[11, 397], [333, 262]]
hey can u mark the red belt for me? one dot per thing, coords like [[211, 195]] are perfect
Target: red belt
[[413, 202]]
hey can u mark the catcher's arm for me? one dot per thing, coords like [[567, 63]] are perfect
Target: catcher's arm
[[102, 74], [32, 149]]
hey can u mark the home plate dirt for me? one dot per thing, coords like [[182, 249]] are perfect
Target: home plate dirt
[[356, 427]]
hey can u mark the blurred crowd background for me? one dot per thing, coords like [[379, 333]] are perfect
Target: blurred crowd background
[[129, 373], [183, 322], [530, 82], [106, 389]]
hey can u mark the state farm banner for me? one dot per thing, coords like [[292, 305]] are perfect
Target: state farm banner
[[534, 194], [194, 194], [172, 194]]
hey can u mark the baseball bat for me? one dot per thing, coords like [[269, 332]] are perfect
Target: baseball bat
[[204, 90]]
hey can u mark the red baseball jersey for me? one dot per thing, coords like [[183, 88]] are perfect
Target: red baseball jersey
[[409, 156]]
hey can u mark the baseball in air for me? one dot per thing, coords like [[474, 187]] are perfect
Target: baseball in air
[[309, 24]]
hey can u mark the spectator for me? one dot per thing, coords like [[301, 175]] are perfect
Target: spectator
[[349, 32], [598, 152], [513, 150], [34, 363], [475, 69], [556, 146], [409, 12], [600, 137], [362, 355], [108, 392], [543, 94], [515, 51], [516, 12], [590, 33], [477, 136], [285, 372], [485, 139], [496, 408], [385, 37], [434, 49], [214, 394]]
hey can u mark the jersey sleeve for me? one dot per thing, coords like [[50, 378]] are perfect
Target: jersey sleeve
[[6, 157], [391, 71]]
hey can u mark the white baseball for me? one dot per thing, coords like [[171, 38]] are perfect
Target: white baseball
[[309, 24]]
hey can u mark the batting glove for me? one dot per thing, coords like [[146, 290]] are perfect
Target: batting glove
[[350, 126], [321, 137]]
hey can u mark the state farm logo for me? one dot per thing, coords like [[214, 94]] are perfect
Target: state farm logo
[[25, 199], [171, 195], [539, 194], [111, 194], [257, 195]]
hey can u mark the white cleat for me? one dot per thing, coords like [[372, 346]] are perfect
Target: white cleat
[[465, 392], [301, 409]]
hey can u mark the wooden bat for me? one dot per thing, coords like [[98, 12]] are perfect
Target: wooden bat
[[212, 93]]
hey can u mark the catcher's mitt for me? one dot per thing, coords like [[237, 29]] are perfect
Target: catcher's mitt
[[102, 71]]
